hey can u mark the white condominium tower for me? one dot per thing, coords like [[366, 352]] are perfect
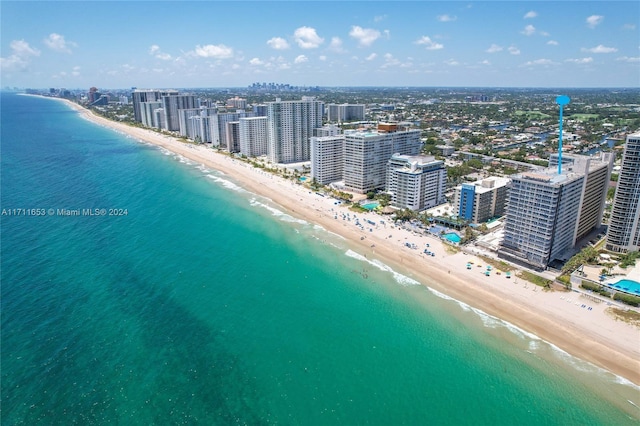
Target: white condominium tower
[[253, 136], [327, 158], [171, 104], [542, 212], [416, 182], [219, 126], [345, 112], [366, 155], [139, 96], [623, 234], [290, 127]]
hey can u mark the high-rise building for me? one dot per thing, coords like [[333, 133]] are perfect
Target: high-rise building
[[623, 233], [290, 126], [482, 200], [597, 171], [416, 182], [195, 123], [327, 162], [233, 136], [148, 115], [237, 103], [171, 104], [541, 216], [366, 155], [219, 126], [327, 130], [147, 95], [253, 136], [345, 112]]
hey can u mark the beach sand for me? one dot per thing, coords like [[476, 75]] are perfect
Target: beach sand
[[556, 316]]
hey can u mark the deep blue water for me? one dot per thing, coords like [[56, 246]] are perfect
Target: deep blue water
[[206, 304]]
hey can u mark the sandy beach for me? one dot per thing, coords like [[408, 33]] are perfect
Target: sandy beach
[[587, 332]]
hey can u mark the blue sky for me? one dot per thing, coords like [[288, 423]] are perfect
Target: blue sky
[[163, 44]]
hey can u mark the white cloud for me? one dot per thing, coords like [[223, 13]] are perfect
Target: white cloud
[[219, 51], [22, 49], [428, 43], [542, 62], [552, 43], [629, 27], [529, 30], [379, 18], [300, 59], [278, 43], [531, 14], [307, 38], [446, 18], [365, 36], [485, 62], [76, 71], [155, 51], [594, 20], [628, 59], [336, 45], [587, 60], [322, 57], [387, 34], [255, 61], [58, 43], [452, 62], [371, 57], [600, 49], [494, 48], [19, 59], [513, 50]]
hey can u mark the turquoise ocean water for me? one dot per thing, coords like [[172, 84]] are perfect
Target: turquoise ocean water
[[206, 304]]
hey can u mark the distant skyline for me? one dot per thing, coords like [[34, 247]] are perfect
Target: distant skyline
[[164, 44]]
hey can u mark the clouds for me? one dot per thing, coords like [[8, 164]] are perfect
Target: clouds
[[446, 18], [58, 43], [219, 51], [530, 15], [428, 43], [278, 43], [529, 30], [594, 20], [307, 38], [364, 36], [600, 49], [21, 53], [155, 51]]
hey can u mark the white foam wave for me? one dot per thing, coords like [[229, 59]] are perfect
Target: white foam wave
[[226, 183], [277, 213], [398, 277]]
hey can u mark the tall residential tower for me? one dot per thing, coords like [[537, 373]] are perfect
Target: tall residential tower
[[623, 234]]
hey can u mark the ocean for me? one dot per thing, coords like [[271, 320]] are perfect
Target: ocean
[[139, 287]]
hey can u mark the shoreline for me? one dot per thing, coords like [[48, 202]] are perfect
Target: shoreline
[[555, 317]]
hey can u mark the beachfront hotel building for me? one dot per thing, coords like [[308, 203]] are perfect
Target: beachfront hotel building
[[290, 126], [139, 96], [345, 112], [623, 234], [327, 158], [416, 182], [253, 136], [366, 154], [481, 200]]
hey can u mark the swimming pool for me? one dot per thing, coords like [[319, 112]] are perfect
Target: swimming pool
[[370, 206], [453, 237], [302, 179], [628, 286]]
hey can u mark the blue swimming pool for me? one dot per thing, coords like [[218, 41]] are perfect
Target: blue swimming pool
[[370, 206], [453, 237], [628, 286]]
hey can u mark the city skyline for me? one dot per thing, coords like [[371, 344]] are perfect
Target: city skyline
[[387, 43]]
